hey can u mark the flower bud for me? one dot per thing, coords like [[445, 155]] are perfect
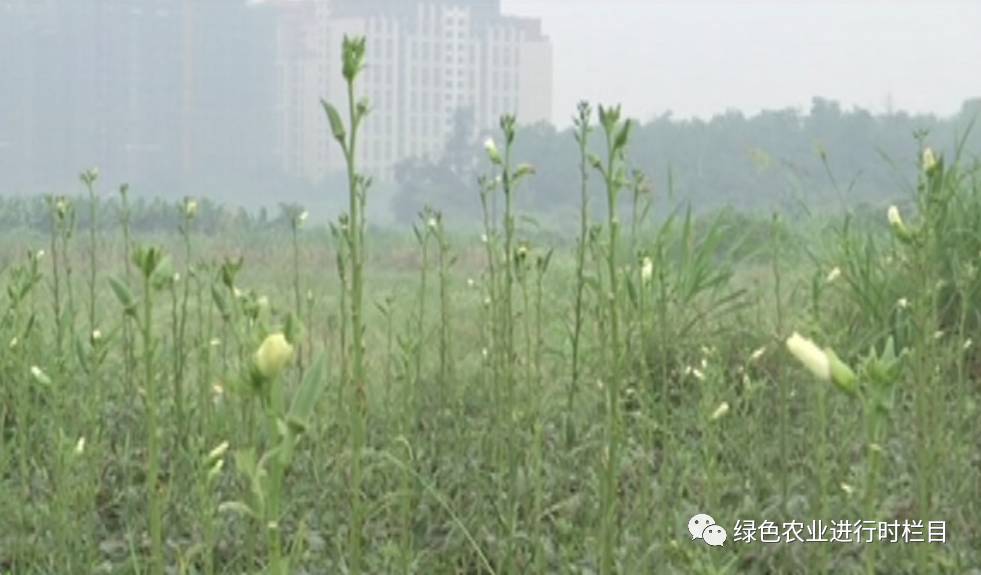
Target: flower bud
[[89, 176], [492, 152], [841, 374], [897, 224], [216, 469], [524, 170], [894, 218], [218, 451], [273, 355], [929, 160], [810, 356], [190, 208], [647, 270], [61, 207], [720, 411], [40, 376]]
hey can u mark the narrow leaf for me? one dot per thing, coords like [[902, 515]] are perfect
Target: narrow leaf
[[336, 125], [306, 397]]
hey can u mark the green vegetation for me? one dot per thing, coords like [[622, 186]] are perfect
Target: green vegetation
[[492, 401], [773, 160]]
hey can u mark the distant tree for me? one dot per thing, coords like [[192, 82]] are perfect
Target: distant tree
[[448, 182], [827, 159]]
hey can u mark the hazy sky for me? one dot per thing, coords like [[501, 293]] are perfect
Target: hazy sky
[[700, 57]]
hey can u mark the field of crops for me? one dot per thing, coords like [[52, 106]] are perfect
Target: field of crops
[[309, 399]]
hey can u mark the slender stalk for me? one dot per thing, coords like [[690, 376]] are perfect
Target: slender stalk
[[67, 231], [153, 435], [129, 358], [537, 463], [612, 172], [873, 448], [189, 212], [583, 130], [341, 261], [175, 355], [89, 178], [508, 356], [823, 459], [491, 307], [423, 237], [298, 300], [783, 398], [444, 307], [59, 207], [353, 62], [203, 345]]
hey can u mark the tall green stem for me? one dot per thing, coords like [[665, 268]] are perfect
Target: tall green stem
[[582, 137], [353, 63], [153, 441], [613, 175]]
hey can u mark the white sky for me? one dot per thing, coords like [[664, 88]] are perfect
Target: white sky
[[701, 57]]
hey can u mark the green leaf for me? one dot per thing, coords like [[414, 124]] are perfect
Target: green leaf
[[336, 125], [306, 397], [523, 170], [221, 301], [163, 274], [123, 294], [82, 354], [623, 136], [294, 329], [147, 259]]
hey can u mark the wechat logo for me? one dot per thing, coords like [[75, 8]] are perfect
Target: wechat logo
[[703, 527]]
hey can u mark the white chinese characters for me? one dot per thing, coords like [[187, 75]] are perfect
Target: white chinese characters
[[840, 531]]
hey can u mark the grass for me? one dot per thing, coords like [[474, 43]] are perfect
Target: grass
[[473, 401]]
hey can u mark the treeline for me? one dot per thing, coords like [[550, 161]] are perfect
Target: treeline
[[827, 159]]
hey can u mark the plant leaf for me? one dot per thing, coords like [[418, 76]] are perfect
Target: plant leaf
[[123, 294], [336, 125], [305, 399]]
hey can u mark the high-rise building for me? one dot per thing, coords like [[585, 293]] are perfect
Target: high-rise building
[[222, 97], [427, 62], [169, 95]]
